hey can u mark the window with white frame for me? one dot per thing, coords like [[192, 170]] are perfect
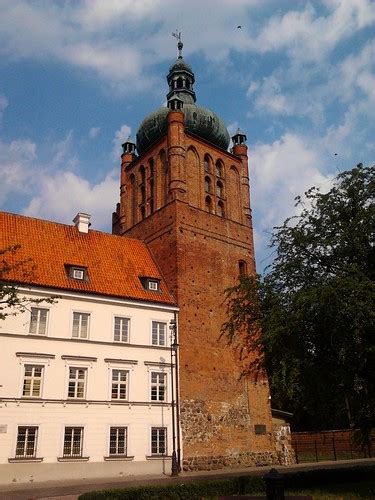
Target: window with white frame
[[32, 381], [77, 382], [78, 274], [158, 441], [119, 388], [158, 386], [81, 323], [26, 442], [118, 437], [158, 333], [38, 321], [153, 285], [73, 442], [121, 329]]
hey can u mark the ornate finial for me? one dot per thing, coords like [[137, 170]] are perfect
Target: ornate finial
[[177, 34]]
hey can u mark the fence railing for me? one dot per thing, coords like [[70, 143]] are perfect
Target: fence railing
[[330, 445]]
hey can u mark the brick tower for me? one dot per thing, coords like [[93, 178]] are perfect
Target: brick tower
[[188, 198]]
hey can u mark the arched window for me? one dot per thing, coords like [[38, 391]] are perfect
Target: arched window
[[207, 184], [179, 83], [242, 268], [219, 189], [207, 164], [220, 209], [151, 164], [219, 168], [208, 204], [143, 212], [151, 185], [142, 171], [164, 174], [143, 194], [133, 199]]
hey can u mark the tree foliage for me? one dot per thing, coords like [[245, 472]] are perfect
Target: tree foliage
[[312, 314], [11, 301]]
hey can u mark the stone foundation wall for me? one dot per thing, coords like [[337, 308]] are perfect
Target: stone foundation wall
[[201, 422], [248, 459], [283, 441]]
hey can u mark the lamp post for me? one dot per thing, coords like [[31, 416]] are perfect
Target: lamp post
[[174, 376]]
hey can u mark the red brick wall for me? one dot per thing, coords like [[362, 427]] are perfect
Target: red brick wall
[[198, 253]]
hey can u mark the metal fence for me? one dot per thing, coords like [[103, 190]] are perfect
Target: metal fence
[[330, 445]]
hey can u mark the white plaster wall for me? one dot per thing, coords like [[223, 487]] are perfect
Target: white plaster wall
[[102, 311], [97, 412], [55, 379]]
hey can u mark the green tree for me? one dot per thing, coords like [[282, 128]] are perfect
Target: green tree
[[312, 313], [11, 301]]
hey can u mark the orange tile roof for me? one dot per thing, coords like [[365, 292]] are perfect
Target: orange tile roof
[[114, 263]]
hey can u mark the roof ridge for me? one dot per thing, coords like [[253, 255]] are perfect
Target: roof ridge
[[72, 226]]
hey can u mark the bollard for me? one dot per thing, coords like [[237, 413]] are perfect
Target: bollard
[[274, 485]]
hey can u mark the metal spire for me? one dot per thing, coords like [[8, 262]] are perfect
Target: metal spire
[[177, 34]]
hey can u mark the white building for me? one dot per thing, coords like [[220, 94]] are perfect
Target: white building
[[85, 382]]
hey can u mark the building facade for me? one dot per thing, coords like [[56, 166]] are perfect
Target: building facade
[[187, 196], [86, 381]]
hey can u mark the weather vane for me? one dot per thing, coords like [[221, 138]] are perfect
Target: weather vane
[[177, 34]]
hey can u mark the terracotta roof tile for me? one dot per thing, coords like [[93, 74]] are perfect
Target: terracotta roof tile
[[114, 263]]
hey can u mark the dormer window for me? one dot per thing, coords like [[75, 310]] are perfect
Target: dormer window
[[76, 272], [151, 284]]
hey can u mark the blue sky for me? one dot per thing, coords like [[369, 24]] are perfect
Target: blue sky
[[76, 77]]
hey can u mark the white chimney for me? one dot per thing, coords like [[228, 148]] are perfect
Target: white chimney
[[82, 222]]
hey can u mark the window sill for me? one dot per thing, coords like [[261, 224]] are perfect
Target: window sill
[[118, 458], [25, 460], [158, 457], [73, 459]]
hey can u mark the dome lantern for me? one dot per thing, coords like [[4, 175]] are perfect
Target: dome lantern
[[128, 147], [239, 137], [199, 121], [181, 78]]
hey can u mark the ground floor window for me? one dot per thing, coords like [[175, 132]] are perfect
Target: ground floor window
[[158, 441], [118, 441], [26, 442], [73, 441]]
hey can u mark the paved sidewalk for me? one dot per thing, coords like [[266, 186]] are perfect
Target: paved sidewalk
[[71, 490]]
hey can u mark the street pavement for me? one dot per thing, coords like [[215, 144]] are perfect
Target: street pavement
[[70, 490]]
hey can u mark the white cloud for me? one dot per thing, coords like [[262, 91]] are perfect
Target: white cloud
[[94, 15], [3, 105], [253, 87], [53, 191], [120, 40], [307, 36], [93, 132], [62, 155], [121, 135], [278, 173], [111, 60], [271, 99], [63, 195], [16, 167]]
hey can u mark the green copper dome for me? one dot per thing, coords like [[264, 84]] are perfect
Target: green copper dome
[[199, 121]]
